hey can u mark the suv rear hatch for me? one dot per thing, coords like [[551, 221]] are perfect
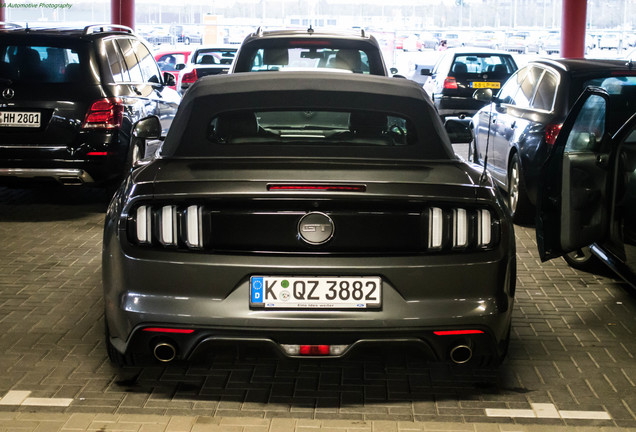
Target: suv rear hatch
[[40, 82], [469, 72]]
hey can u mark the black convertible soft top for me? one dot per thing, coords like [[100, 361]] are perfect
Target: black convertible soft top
[[327, 91]]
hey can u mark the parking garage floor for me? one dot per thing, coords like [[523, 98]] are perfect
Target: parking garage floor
[[571, 364]]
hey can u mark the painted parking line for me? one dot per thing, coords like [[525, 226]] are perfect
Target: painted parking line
[[21, 398], [547, 410]]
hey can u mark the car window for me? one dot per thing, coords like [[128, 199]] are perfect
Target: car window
[[613, 85], [41, 63], [214, 56], [491, 64], [169, 62], [546, 92], [149, 69], [131, 61], [116, 62], [526, 90], [350, 60], [510, 89], [589, 126], [346, 128]]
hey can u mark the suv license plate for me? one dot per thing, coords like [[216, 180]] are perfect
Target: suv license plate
[[19, 119], [362, 292]]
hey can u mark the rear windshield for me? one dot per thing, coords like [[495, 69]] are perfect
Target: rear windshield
[[318, 128], [613, 85], [214, 56], [492, 64], [348, 60], [39, 63], [297, 54]]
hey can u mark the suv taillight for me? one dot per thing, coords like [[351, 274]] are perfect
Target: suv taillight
[[450, 83], [104, 113], [552, 132], [189, 78]]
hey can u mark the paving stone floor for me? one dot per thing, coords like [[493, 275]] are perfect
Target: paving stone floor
[[571, 364]]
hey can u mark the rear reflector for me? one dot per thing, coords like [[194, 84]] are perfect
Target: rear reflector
[[318, 187], [168, 330], [314, 350], [97, 154], [456, 332]]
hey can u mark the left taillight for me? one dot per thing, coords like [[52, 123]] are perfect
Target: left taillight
[[450, 83], [167, 225], [104, 113]]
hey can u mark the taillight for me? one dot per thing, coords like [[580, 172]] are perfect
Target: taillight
[[104, 113], [189, 77], [169, 226], [551, 133], [450, 83]]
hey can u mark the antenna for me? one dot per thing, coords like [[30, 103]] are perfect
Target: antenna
[[310, 30]]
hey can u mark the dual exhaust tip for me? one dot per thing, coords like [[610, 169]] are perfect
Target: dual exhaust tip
[[165, 352], [461, 354]]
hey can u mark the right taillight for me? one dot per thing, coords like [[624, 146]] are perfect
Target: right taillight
[[552, 132], [450, 83], [189, 78], [104, 113]]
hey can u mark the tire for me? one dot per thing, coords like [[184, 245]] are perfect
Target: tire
[[519, 205], [583, 259]]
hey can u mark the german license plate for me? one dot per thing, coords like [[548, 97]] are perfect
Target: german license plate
[[485, 84], [364, 292], [19, 119]]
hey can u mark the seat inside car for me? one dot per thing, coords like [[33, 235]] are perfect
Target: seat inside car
[[460, 68]]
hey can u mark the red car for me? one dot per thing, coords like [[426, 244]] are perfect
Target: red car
[[172, 61]]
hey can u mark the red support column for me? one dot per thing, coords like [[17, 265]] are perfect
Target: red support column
[[123, 12], [2, 7], [573, 28]]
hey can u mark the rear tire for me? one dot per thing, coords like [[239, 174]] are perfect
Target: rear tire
[[519, 205]]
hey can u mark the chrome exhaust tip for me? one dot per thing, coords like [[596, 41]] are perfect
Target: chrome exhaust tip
[[165, 352], [461, 354]]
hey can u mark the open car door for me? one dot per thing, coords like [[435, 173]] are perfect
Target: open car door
[[574, 200]]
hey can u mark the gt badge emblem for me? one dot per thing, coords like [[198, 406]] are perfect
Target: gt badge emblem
[[8, 93], [316, 228]]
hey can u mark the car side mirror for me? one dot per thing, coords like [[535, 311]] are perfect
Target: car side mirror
[[180, 66], [393, 70], [458, 130], [426, 72], [169, 79], [148, 128]]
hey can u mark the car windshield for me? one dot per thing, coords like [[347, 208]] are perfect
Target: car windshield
[[214, 56], [295, 58], [328, 128], [483, 64], [39, 63]]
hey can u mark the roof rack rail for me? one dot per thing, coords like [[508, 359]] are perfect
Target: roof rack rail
[[4, 25], [100, 28]]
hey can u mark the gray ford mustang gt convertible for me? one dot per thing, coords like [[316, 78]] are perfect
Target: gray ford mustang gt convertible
[[313, 213]]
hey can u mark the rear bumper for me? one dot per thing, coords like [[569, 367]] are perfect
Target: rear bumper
[[61, 175], [457, 106]]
